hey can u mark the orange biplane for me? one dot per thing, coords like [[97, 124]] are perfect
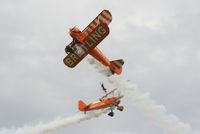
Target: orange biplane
[[103, 102], [85, 42]]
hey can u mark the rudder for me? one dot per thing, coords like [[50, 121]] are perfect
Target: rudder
[[81, 105], [116, 66]]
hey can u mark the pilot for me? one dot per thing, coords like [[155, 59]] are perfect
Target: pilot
[[77, 37]]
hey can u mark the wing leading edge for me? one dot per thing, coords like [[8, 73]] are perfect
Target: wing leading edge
[[104, 17]]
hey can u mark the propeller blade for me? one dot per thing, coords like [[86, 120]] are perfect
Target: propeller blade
[[119, 94]]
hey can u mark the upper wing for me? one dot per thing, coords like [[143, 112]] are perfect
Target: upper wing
[[112, 91], [104, 17], [89, 43]]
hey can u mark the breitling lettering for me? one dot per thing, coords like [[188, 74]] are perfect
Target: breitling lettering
[[69, 61], [89, 43], [95, 36]]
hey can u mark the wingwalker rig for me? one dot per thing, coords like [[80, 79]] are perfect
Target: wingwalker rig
[[85, 42], [104, 102]]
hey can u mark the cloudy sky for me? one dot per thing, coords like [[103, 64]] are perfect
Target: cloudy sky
[[158, 39]]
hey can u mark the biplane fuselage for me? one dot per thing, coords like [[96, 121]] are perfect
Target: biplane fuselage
[[95, 37], [104, 102], [110, 102]]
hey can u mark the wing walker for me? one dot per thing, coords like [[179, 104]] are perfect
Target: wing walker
[[103, 102]]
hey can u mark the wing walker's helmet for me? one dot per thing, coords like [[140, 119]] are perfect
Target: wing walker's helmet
[[74, 32]]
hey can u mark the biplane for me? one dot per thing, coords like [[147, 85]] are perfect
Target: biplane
[[85, 42], [103, 102]]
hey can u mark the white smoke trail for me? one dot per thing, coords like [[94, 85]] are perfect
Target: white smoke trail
[[142, 101], [44, 128], [157, 113], [99, 67]]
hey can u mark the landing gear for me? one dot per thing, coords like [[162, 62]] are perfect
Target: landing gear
[[68, 49], [112, 72], [75, 40], [111, 114], [120, 108]]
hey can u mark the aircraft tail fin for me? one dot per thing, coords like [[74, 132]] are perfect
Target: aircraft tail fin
[[81, 105], [116, 66]]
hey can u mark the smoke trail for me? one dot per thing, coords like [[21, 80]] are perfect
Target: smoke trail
[[99, 67], [43, 128], [142, 102], [157, 113]]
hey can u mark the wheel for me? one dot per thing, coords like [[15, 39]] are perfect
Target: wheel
[[111, 114], [69, 49]]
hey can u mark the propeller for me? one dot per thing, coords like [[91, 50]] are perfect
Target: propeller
[[70, 29], [120, 96]]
